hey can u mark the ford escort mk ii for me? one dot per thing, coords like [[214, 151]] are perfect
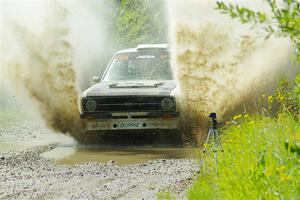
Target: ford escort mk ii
[[136, 91]]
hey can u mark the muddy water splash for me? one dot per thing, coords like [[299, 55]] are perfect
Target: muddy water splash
[[217, 72], [220, 68], [207, 65], [45, 70]]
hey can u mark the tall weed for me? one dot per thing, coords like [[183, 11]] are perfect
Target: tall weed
[[261, 160]]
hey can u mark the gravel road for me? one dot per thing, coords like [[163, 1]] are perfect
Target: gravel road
[[25, 174]]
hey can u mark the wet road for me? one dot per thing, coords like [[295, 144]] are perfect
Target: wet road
[[53, 166], [120, 156]]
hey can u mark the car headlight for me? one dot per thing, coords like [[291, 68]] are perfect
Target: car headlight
[[167, 104], [91, 105]]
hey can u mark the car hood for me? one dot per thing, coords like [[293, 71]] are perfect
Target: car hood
[[125, 88]]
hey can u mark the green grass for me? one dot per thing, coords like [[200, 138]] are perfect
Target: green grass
[[165, 195], [260, 161]]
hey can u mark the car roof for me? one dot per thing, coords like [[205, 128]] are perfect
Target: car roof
[[143, 47]]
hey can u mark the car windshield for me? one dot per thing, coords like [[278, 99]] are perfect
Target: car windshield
[[140, 66]]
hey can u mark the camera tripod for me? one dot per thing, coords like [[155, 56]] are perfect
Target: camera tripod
[[214, 135]]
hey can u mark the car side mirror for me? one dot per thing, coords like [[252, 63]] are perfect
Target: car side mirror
[[96, 79]]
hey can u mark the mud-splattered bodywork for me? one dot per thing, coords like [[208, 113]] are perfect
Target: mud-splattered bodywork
[[137, 91]]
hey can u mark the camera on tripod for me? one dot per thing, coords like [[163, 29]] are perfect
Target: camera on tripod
[[214, 121], [213, 135], [213, 115]]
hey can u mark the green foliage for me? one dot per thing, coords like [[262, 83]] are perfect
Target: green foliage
[[297, 89], [260, 161], [285, 20], [139, 22], [287, 97], [245, 15], [129, 23]]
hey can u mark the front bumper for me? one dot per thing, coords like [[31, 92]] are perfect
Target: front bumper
[[132, 121]]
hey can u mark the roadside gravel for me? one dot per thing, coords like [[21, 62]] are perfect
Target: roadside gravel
[[25, 174]]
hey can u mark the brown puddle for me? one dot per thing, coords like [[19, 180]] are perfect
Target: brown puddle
[[68, 153], [121, 156]]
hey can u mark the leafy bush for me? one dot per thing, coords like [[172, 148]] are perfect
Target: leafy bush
[[287, 98]]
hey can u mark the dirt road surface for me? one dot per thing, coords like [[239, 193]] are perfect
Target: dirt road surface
[[26, 174]]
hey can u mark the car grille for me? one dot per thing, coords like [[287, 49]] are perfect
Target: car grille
[[128, 103]]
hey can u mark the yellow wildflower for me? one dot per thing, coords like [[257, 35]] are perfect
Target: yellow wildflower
[[237, 117], [285, 177], [251, 122], [281, 98], [270, 99], [280, 169], [268, 172], [263, 96]]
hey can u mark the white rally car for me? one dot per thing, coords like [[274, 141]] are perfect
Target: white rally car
[[136, 92]]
